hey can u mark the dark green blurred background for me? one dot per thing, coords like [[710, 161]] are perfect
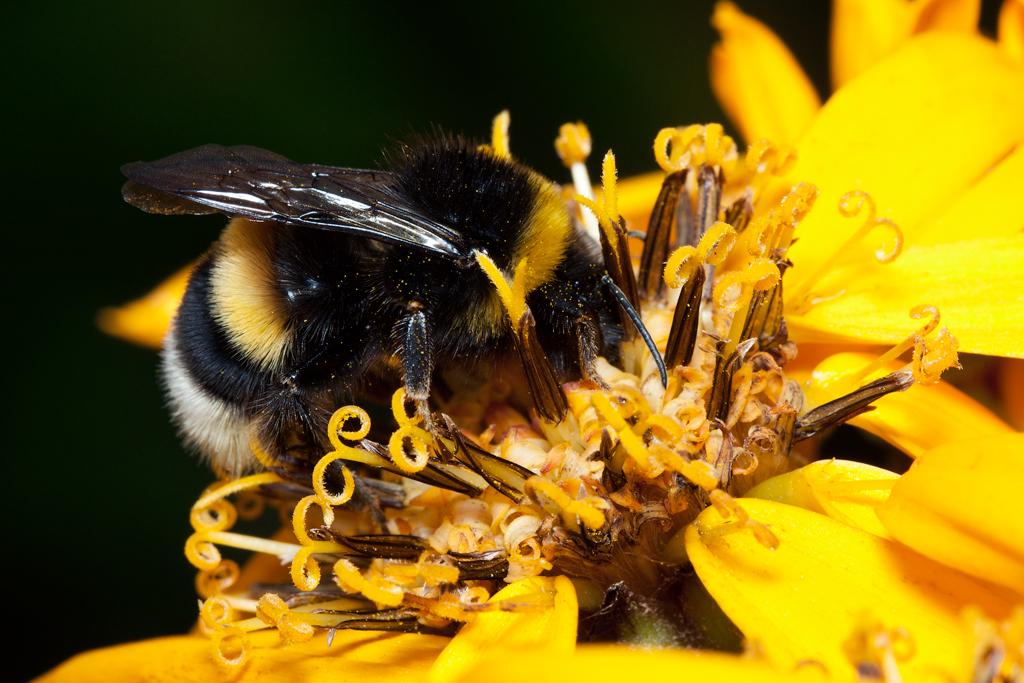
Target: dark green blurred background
[[97, 487]]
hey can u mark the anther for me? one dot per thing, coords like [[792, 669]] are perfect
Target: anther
[[684, 268], [659, 234], [853, 404]]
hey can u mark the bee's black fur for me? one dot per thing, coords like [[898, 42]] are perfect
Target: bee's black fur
[[486, 199], [205, 350]]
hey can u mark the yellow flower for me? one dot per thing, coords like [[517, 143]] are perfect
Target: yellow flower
[[835, 570]]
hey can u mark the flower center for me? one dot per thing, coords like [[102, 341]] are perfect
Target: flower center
[[418, 533]]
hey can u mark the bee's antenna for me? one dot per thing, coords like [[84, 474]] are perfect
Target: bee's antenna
[[639, 324]]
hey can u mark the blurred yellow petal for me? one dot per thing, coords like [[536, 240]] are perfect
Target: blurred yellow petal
[[758, 81], [962, 504], [846, 491], [916, 420], [915, 132], [811, 594], [190, 659], [510, 634], [865, 31], [978, 286], [636, 197], [146, 320], [984, 209], [618, 664], [1011, 29]]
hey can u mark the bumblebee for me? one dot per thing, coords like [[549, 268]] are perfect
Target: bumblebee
[[327, 277]]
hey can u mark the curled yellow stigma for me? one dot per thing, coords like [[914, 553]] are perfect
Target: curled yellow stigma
[[416, 457], [851, 205], [694, 145], [681, 265]]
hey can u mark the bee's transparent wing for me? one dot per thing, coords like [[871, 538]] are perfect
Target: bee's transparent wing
[[260, 185]]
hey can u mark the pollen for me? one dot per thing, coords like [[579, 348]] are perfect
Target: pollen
[[413, 522]]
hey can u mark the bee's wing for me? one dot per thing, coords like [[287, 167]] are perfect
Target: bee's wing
[[264, 186]]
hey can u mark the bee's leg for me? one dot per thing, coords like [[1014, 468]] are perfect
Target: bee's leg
[[588, 346], [658, 238], [418, 359]]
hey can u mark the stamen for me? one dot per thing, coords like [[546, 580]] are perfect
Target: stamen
[[659, 234], [588, 509], [732, 294], [935, 356], [772, 233], [847, 407], [351, 580], [727, 506], [573, 146], [931, 357], [499, 135], [274, 611], [910, 342]]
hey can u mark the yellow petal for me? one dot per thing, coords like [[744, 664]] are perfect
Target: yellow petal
[[865, 31], [189, 659], [846, 491], [1011, 29], [513, 633], [916, 420], [961, 504], [914, 132], [757, 80], [636, 197], [618, 664], [988, 208], [145, 321], [978, 286], [807, 597]]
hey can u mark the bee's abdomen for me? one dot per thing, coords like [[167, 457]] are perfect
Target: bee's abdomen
[[210, 385], [205, 349]]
